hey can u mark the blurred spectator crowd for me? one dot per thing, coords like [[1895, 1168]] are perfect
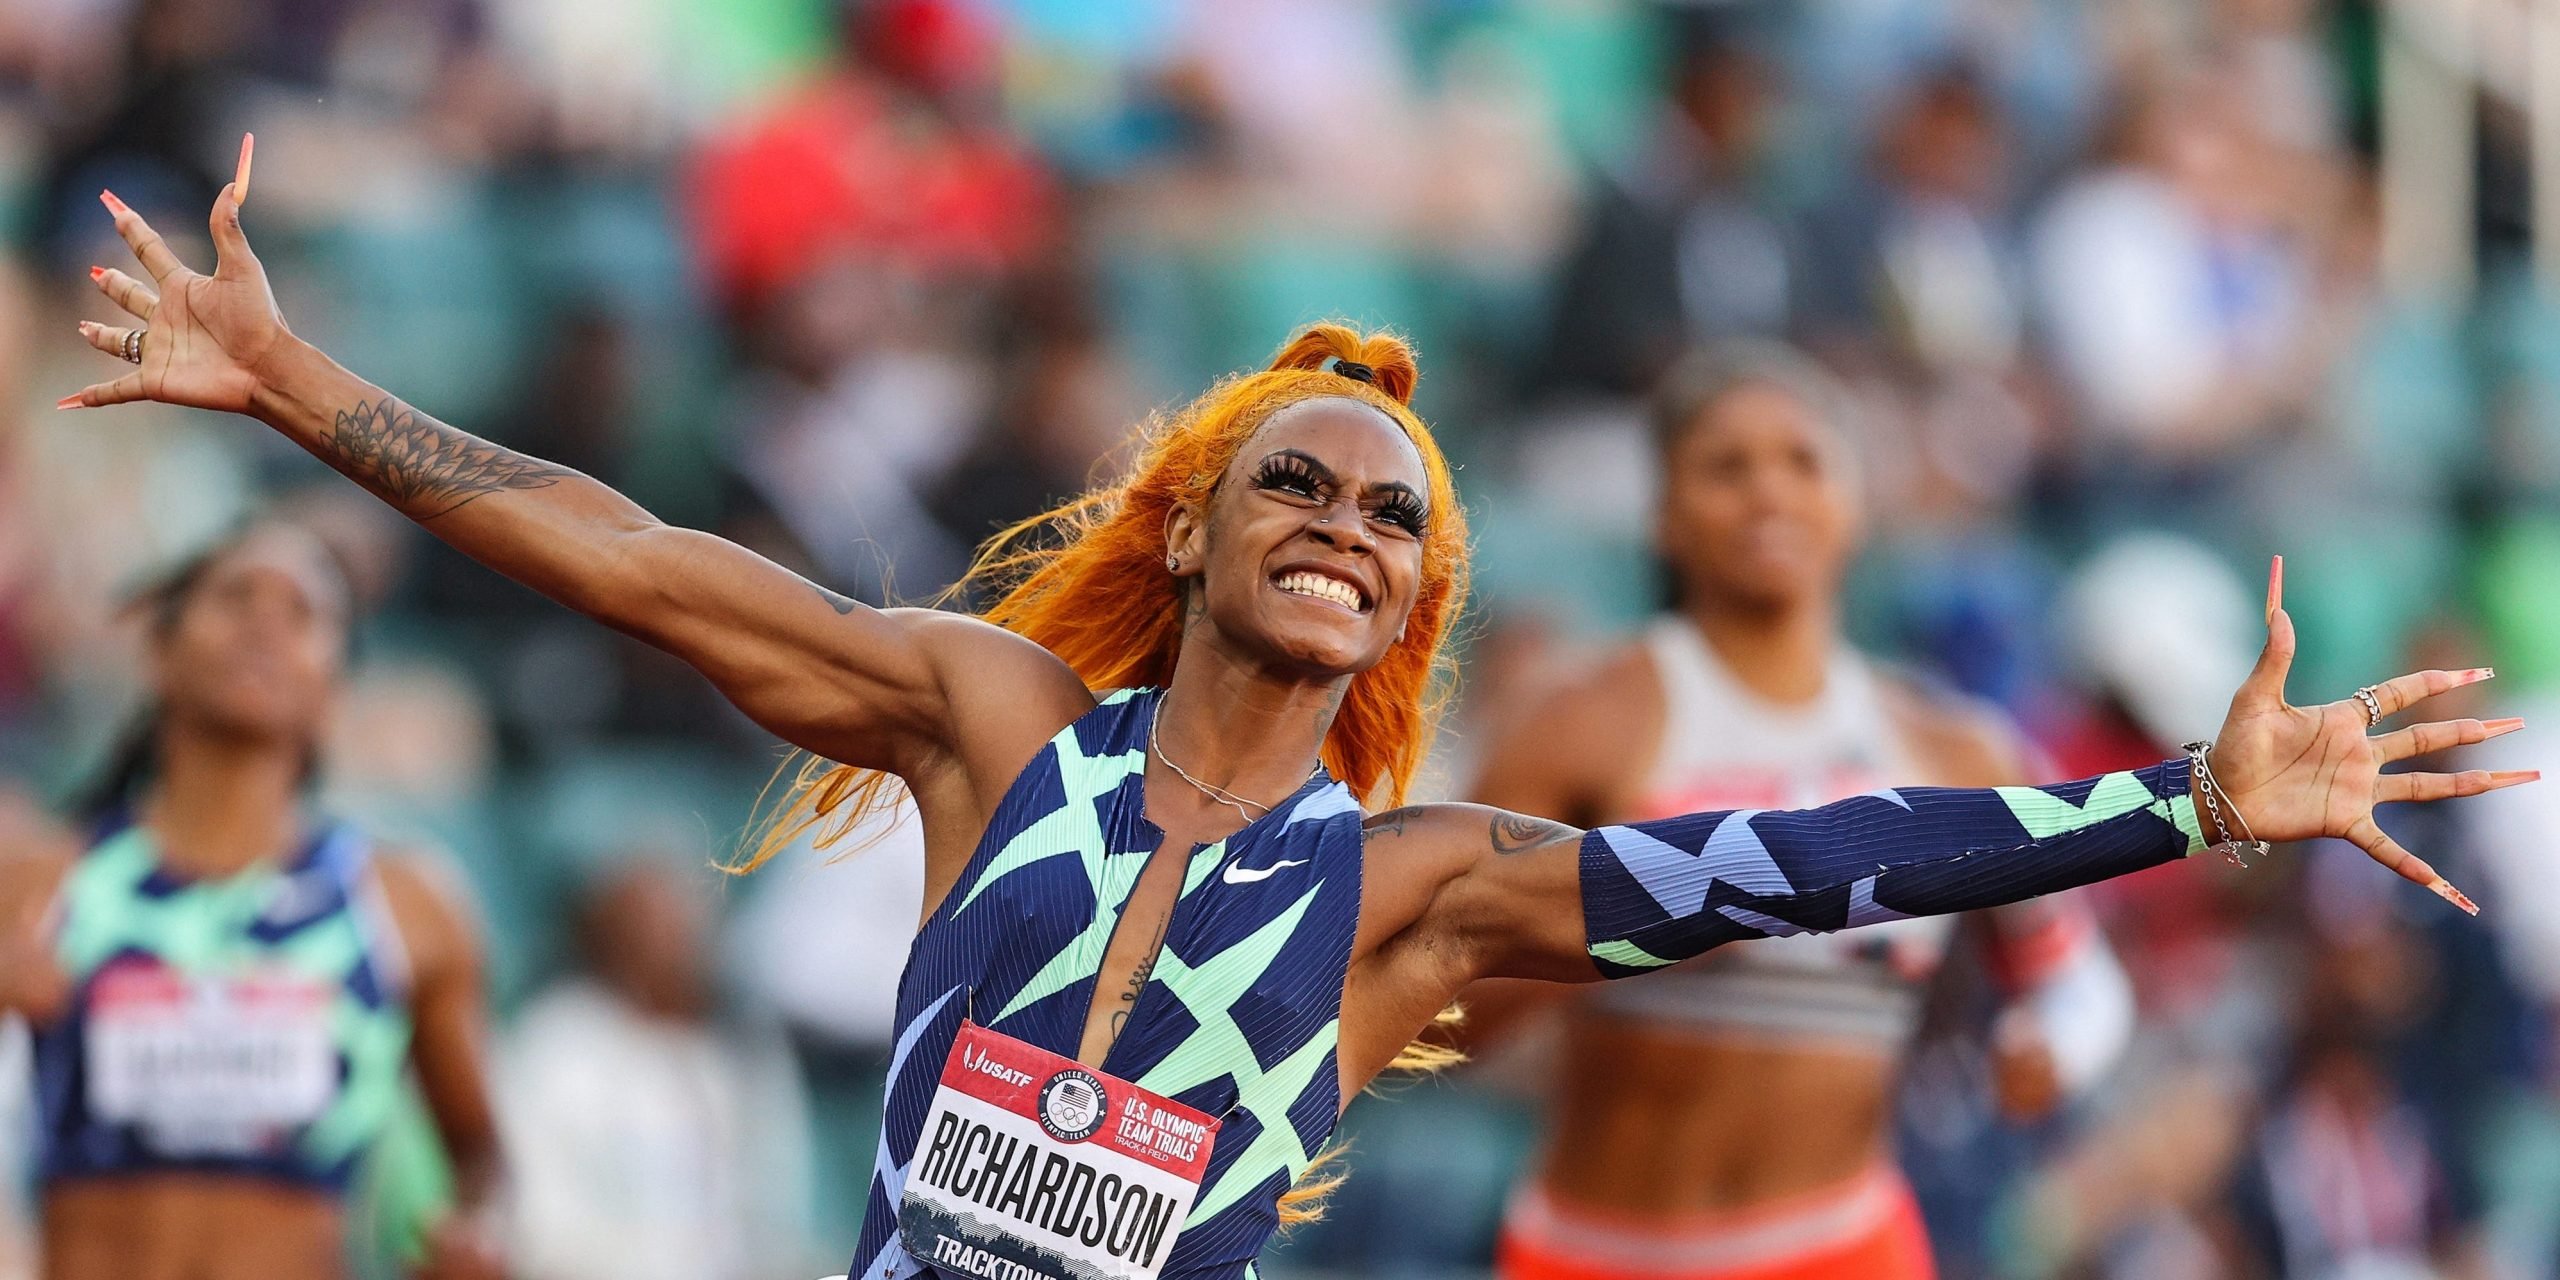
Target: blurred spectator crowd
[[855, 282]]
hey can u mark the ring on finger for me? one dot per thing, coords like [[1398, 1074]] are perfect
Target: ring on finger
[[132, 349], [2372, 706]]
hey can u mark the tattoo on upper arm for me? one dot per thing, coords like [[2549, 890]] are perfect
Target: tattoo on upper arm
[[424, 467], [841, 604], [1390, 823], [1518, 833]]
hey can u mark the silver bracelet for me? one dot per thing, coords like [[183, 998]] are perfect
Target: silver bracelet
[[2216, 800]]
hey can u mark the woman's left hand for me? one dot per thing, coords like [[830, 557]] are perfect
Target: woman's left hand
[[2293, 773], [202, 339]]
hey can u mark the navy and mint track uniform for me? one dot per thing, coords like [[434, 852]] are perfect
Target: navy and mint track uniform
[[1242, 1014], [1239, 1019], [309, 931]]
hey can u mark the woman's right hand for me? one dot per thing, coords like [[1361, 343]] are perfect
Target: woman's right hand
[[204, 337]]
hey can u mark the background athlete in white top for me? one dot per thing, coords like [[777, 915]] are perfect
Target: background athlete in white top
[[1730, 1117]]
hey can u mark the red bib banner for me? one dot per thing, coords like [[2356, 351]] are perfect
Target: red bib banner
[[1035, 1167]]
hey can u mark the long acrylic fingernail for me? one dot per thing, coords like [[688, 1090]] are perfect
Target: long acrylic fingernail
[[2275, 587], [240, 178], [2455, 896], [108, 198], [67, 402], [2478, 674], [2501, 727], [97, 273]]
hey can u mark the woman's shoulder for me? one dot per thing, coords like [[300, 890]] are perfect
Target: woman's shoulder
[[1005, 698], [996, 684], [972, 654]]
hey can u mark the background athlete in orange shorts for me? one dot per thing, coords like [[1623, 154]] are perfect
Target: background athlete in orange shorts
[[1730, 1118]]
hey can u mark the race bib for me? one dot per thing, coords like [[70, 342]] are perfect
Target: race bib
[[1035, 1167], [209, 1066]]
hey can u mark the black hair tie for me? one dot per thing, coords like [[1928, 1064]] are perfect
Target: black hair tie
[[1356, 371]]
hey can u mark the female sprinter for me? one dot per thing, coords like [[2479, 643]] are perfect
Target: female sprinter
[[1727, 1119], [227, 989], [1141, 779]]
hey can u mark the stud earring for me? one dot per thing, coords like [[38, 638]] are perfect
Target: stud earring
[[1173, 564]]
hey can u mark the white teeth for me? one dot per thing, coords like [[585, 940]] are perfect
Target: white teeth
[[1321, 587]]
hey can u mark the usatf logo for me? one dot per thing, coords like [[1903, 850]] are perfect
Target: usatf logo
[[1071, 1105]]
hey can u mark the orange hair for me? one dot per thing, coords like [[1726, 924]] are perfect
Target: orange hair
[[1087, 582]]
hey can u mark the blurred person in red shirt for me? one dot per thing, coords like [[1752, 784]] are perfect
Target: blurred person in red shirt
[[895, 152], [856, 232]]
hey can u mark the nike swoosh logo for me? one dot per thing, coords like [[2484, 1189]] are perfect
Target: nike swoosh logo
[[1237, 874]]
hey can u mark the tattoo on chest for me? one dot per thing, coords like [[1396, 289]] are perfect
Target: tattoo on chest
[[423, 466], [1137, 983], [1518, 833]]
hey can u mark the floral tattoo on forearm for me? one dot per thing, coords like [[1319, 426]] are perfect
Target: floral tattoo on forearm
[[422, 466]]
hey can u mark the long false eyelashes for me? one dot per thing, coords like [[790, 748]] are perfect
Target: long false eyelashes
[[1405, 511], [1291, 473]]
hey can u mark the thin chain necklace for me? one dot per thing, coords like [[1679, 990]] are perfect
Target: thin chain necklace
[[1219, 794]]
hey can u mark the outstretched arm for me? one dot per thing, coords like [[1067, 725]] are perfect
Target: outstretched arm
[[848, 682], [1657, 892], [824, 672], [1653, 893]]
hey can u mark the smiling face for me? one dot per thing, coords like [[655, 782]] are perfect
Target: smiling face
[[1757, 503], [1308, 556], [256, 642]]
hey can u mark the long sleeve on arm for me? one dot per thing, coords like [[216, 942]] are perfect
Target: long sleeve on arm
[[1658, 892]]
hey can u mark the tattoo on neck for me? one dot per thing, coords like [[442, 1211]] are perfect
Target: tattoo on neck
[[1518, 833], [422, 466], [1332, 707]]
